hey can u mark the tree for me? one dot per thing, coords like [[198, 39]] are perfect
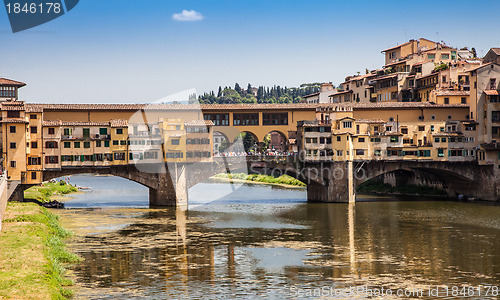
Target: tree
[[237, 88], [474, 53], [249, 89], [219, 93]]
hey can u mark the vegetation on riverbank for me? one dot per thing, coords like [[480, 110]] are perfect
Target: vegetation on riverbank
[[373, 186], [46, 190], [283, 179], [33, 254]]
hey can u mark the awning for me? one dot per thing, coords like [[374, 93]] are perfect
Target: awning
[[491, 92]]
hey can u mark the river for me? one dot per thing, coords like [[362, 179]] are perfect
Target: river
[[266, 242]]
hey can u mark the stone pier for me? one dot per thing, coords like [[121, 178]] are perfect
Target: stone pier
[[336, 184]]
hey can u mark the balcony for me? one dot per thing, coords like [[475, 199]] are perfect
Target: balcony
[[103, 136]]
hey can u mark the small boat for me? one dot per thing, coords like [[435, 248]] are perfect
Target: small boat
[[84, 188]]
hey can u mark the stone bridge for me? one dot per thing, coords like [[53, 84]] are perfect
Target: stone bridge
[[327, 181]]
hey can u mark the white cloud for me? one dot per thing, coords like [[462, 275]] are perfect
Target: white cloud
[[188, 15]]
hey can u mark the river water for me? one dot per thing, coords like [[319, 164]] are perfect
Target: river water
[[265, 242]]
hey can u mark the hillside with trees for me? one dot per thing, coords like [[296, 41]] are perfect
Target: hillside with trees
[[249, 95]]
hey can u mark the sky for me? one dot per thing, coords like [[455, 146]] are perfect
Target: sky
[[139, 51]]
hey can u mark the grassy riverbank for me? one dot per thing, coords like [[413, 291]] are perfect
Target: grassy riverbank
[[32, 254], [44, 192], [283, 179], [383, 188]]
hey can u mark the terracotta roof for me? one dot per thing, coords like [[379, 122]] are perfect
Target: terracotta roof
[[451, 93], [454, 134], [385, 77], [479, 67], [491, 92], [129, 107], [395, 47], [402, 105], [310, 95], [396, 63], [78, 123], [33, 108], [496, 50], [199, 123], [118, 123], [12, 107], [377, 121], [5, 81], [52, 123], [14, 121], [340, 93], [72, 123]]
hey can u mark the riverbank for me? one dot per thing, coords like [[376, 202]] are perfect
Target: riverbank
[[377, 187], [33, 254], [47, 191], [283, 180]]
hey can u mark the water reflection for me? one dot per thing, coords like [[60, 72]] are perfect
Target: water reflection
[[247, 250]]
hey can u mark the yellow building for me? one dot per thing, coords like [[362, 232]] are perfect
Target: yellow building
[[199, 140], [174, 139], [119, 142]]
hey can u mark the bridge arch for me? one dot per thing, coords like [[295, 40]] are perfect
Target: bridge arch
[[276, 140]]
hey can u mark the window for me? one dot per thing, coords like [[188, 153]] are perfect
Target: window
[[77, 144], [347, 124], [463, 100], [116, 142], [34, 161], [377, 152], [275, 118], [436, 140], [12, 129], [33, 117], [440, 152], [443, 140], [67, 131], [177, 127], [86, 132], [421, 128], [218, 119], [446, 100], [404, 130], [103, 131], [34, 145], [67, 144], [431, 56], [493, 83], [98, 143], [33, 175], [445, 56], [12, 163], [34, 129], [432, 128], [12, 145], [394, 139], [119, 156], [86, 145], [339, 138], [123, 142], [495, 116], [375, 140], [13, 114], [106, 143], [52, 130], [242, 119], [360, 152], [361, 140], [339, 152], [119, 130], [388, 128], [51, 159]]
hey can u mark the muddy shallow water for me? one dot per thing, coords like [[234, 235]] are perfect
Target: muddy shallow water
[[267, 242]]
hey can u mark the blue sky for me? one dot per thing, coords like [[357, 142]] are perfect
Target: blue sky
[[133, 51]]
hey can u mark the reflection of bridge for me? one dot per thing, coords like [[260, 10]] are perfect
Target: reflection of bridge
[[327, 181]]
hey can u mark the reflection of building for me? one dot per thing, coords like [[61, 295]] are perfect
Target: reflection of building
[[199, 137]]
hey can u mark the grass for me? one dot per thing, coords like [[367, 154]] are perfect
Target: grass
[[374, 186], [283, 179], [46, 190], [33, 254]]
